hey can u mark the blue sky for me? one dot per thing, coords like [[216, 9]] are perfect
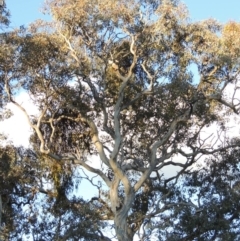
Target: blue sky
[[222, 10], [25, 11]]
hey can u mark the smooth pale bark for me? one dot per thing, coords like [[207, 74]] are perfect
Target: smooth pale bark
[[122, 228], [123, 232]]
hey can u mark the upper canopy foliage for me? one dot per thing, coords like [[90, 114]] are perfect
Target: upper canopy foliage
[[136, 83]]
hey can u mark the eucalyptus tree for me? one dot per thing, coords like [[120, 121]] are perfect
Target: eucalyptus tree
[[135, 83]]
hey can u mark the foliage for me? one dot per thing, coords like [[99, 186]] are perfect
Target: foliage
[[29, 209], [213, 213], [115, 79], [4, 16]]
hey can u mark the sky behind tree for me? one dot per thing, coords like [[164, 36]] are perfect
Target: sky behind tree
[[24, 11], [223, 10]]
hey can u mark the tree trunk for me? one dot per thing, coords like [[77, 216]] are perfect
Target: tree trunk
[[120, 210], [123, 231]]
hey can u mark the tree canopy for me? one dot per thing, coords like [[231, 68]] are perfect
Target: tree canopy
[[141, 87]]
